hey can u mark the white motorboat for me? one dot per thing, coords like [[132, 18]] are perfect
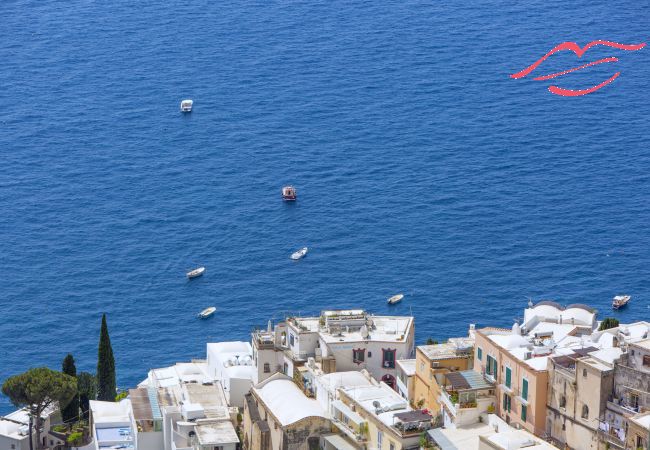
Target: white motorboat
[[186, 105], [395, 299], [195, 273], [207, 312], [620, 301], [299, 254]]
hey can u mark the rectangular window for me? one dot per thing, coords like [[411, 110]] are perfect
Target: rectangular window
[[267, 368], [479, 353], [646, 360], [507, 403], [391, 446], [524, 389], [508, 377], [358, 355], [491, 367], [524, 410], [389, 358], [380, 437], [291, 341]]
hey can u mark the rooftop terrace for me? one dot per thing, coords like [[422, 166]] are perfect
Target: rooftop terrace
[[453, 348]]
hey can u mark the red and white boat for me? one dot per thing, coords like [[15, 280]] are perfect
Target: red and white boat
[[289, 193]]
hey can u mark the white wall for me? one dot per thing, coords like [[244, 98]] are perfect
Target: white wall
[[6, 442], [237, 389], [304, 343], [342, 352], [152, 440]]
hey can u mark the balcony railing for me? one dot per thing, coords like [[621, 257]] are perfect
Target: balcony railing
[[446, 401], [349, 431], [611, 439]]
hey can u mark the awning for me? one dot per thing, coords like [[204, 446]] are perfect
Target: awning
[[338, 442], [346, 411]]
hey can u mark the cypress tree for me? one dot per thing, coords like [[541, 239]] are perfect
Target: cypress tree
[[106, 388], [70, 412]]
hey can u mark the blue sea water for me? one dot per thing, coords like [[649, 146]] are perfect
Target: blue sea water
[[421, 167]]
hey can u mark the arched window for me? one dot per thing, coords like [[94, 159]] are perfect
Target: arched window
[[585, 412], [389, 380], [562, 401]]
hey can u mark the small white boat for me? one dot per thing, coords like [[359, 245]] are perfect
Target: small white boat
[[195, 273], [620, 301], [207, 312], [395, 299], [186, 105], [299, 254]]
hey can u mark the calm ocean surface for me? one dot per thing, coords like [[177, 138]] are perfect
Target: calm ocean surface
[[421, 168]]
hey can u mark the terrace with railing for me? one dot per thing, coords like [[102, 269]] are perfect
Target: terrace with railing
[[465, 395]]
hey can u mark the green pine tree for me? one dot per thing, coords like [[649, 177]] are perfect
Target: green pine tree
[[106, 388], [609, 322], [71, 412]]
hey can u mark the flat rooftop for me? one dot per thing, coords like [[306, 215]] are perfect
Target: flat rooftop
[[407, 366], [643, 344], [453, 348], [351, 325], [205, 395], [216, 433], [390, 402]]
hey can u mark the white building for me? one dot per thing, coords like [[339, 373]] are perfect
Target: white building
[[491, 434], [326, 386], [14, 430], [405, 381], [112, 425], [180, 407], [232, 364], [341, 340], [377, 417], [194, 412]]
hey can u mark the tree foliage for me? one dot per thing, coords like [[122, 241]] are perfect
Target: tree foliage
[[71, 412], [106, 386], [607, 323], [38, 389], [87, 387]]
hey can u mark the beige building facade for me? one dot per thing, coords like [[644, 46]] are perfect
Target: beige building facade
[[434, 361], [278, 416], [579, 387]]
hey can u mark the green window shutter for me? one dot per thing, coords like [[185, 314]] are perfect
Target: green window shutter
[[479, 353], [524, 389], [505, 401], [523, 412], [508, 376]]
